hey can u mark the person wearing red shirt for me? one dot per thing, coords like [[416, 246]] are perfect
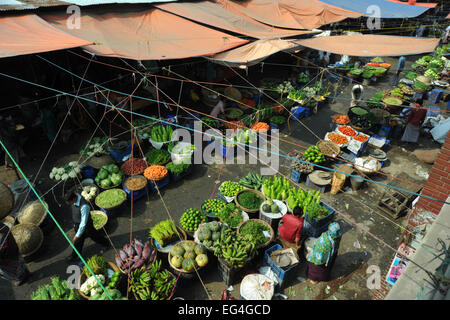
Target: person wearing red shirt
[[415, 119], [291, 226]]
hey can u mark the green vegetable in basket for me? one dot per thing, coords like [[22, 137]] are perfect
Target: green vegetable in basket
[[256, 230], [377, 60], [317, 211], [106, 183], [110, 198], [249, 200], [411, 75], [177, 169], [356, 72], [98, 220], [278, 120], [368, 74], [157, 156], [421, 86]]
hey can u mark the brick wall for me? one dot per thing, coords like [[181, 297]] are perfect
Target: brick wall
[[438, 184]]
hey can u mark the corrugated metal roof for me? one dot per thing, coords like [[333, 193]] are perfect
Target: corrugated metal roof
[[7, 5]]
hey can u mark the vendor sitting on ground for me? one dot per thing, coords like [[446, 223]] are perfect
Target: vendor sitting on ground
[[415, 119], [291, 225], [219, 108]]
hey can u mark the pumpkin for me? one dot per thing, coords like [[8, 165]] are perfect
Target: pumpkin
[[202, 260]]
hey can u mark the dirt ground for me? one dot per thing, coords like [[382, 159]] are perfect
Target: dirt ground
[[358, 248]]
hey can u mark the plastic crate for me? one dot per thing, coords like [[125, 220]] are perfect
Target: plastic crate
[[283, 276], [384, 131], [175, 177], [435, 95], [295, 175], [417, 95], [300, 113], [431, 113], [324, 222], [136, 194]]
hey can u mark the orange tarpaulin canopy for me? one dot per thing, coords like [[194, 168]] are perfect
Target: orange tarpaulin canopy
[[146, 34], [217, 15], [253, 53], [27, 34], [369, 45], [294, 14]]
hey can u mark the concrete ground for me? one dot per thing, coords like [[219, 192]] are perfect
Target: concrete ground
[[358, 215]]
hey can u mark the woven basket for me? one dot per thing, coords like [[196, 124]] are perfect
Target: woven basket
[[29, 238], [6, 200], [233, 93], [93, 212], [83, 278], [33, 213], [329, 148], [272, 233], [135, 177], [116, 206], [260, 194], [182, 272], [183, 236]]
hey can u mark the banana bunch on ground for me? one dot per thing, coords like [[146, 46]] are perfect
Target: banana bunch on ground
[[140, 283], [252, 181], [235, 248]]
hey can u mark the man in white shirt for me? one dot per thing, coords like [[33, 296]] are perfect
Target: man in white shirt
[[219, 108]]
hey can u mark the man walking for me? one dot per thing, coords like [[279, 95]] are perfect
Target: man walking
[[400, 67], [82, 224]]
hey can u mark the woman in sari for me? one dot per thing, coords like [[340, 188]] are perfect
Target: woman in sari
[[322, 256]]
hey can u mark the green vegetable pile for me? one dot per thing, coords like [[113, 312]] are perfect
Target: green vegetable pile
[[375, 101], [245, 136], [313, 154], [210, 233], [356, 72], [317, 211], [234, 113], [213, 206], [158, 156], [278, 120], [419, 85], [256, 230], [164, 232], [432, 74], [209, 122], [162, 133], [144, 127], [252, 181], [411, 75], [276, 188], [97, 264], [301, 198], [397, 92], [109, 176], [110, 198], [368, 74], [231, 215], [98, 220], [297, 95], [58, 290], [230, 188], [377, 60], [235, 248], [177, 169], [359, 111], [191, 218], [303, 78], [249, 200]]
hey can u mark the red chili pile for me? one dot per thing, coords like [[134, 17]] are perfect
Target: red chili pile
[[134, 166]]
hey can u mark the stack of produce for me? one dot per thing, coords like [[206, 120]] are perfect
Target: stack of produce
[[361, 138], [89, 192], [208, 122], [279, 120], [230, 188], [99, 219], [432, 74], [255, 229], [317, 211], [58, 290], [397, 92], [260, 127], [270, 206], [233, 113], [301, 166], [236, 249], [249, 200], [420, 86], [406, 89], [375, 101], [276, 188], [341, 119], [297, 95], [301, 198], [109, 176], [356, 72], [157, 156], [161, 133], [303, 78], [68, 171], [144, 127], [209, 233], [213, 206], [188, 255], [134, 256], [231, 215], [96, 147], [191, 219], [135, 183], [338, 138], [97, 264], [411, 75], [313, 154], [177, 168], [155, 172], [164, 232], [152, 283], [133, 166], [110, 198], [252, 181], [348, 131]]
